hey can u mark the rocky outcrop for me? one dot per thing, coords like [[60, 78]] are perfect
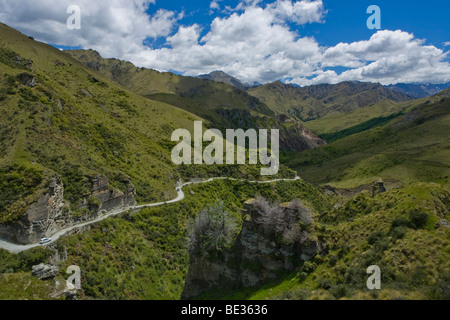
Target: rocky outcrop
[[43, 218], [51, 214], [311, 139], [109, 198], [378, 188], [257, 256], [45, 271], [27, 80]]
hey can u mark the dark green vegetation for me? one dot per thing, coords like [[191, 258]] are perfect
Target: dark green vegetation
[[18, 186], [372, 123]]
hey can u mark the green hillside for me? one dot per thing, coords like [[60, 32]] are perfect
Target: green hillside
[[59, 117], [410, 148], [77, 115], [223, 106], [329, 108]]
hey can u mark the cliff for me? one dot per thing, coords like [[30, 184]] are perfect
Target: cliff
[[51, 213], [262, 251]]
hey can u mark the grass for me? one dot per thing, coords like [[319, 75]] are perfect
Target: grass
[[410, 148]]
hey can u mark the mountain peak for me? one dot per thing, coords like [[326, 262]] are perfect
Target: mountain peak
[[223, 77]]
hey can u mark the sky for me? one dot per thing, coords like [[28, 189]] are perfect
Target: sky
[[304, 42]]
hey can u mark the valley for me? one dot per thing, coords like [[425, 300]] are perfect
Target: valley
[[85, 158]]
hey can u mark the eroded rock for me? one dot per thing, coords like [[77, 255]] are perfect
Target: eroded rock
[[45, 271]]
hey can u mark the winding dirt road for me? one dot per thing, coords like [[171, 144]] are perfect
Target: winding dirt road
[[16, 248]]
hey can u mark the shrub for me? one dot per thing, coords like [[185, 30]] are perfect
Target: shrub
[[325, 283], [399, 232], [213, 231], [339, 291], [418, 219]]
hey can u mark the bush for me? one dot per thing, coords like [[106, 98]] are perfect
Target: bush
[[399, 232], [213, 231], [418, 219], [289, 224], [339, 291], [325, 284]]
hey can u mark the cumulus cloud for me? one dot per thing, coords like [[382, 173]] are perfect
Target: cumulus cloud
[[253, 41], [300, 12], [116, 28]]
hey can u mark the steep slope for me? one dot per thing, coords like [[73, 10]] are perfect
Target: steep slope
[[412, 147], [75, 144], [67, 132], [320, 101], [224, 106]]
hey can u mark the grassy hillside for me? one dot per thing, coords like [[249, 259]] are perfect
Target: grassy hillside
[[316, 102], [145, 255], [59, 117], [223, 106], [399, 231], [412, 147]]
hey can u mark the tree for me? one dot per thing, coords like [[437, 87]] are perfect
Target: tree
[[213, 230]]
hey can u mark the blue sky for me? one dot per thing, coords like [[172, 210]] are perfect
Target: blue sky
[[345, 20], [300, 41]]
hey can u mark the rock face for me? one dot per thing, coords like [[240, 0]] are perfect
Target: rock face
[[254, 259], [51, 214], [111, 198], [43, 218], [378, 188], [45, 271], [28, 80]]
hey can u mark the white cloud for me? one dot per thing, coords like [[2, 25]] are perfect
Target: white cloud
[[115, 28], [215, 5], [253, 42], [300, 12], [446, 44]]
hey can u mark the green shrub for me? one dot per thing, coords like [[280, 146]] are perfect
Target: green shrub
[[418, 219], [399, 232]]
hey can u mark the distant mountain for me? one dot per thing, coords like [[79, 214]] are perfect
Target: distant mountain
[[419, 90], [220, 76], [253, 84], [315, 102]]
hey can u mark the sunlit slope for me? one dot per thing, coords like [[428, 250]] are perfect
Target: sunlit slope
[[412, 147], [59, 117], [222, 105]]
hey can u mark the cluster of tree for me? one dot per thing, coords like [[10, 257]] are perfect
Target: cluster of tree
[[213, 230], [288, 223]]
